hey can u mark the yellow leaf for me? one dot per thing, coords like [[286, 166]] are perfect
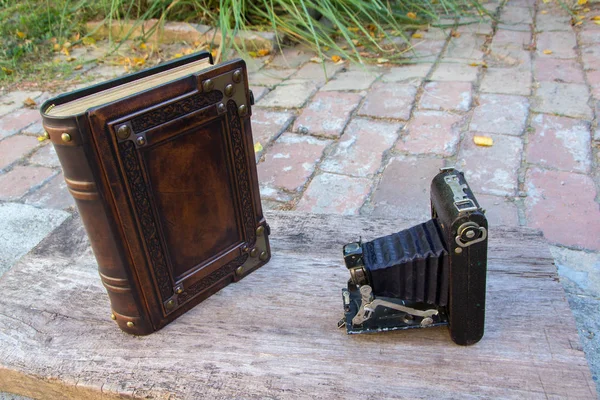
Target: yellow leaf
[[316, 60], [353, 29], [253, 54], [578, 23], [544, 11], [547, 51], [178, 55], [455, 34], [56, 47], [65, 52], [582, 2], [78, 67], [143, 46], [382, 60], [596, 18], [139, 61], [547, 1], [88, 41], [258, 147], [417, 35], [66, 45], [264, 52], [483, 141], [29, 102], [325, 48], [597, 22], [336, 58], [411, 15], [21, 34], [7, 71], [69, 59], [41, 138], [585, 10]]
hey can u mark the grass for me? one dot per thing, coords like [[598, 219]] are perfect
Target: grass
[[33, 31]]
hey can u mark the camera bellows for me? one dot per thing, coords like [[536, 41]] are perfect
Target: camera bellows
[[410, 265]]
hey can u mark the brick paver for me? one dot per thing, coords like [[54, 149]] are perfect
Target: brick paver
[[561, 44], [499, 210], [45, 157], [516, 80], [569, 99], [267, 125], [14, 100], [492, 170], [560, 143], [327, 113], [360, 151], [389, 101], [431, 132], [289, 164], [292, 94], [557, 70], [459, 71], [447, 96], [337, 194], [20, 180], [53, 194], [18, 120], [352, 80], [407, 73], [404, 188], [498, 113], [562, 205], [15, 148]]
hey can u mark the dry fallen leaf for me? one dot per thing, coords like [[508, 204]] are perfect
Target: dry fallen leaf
[[596, 18], [411, 15], [21, 34], [336, 58], [264, 52], [547, 51], [316, 60], [178, 55], [7, 71], [88, 41], [258, 147], [483, 141], [544, 11], [78, 67], [29, 102], [454, 33], [582, 2], [382, 60], [597, 22], [69, 59], [417, 35], [585, 10], [477, 64]]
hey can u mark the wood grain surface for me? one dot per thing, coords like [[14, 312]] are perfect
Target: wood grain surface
[[274, 336]]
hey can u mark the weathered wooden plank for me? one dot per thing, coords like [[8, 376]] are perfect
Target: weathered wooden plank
[[274, 335]]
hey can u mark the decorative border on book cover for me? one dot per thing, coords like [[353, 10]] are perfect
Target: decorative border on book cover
[[174, 110], [211, 279], [241, 171], [141, 200]]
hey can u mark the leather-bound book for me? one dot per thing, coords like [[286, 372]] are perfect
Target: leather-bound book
[[161, 166]]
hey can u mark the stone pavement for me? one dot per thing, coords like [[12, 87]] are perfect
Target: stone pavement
[[370, 139]]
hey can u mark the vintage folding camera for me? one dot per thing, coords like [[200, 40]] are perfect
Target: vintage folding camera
[[429, 275]]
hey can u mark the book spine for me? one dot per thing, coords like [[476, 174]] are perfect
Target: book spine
[[68, 135]]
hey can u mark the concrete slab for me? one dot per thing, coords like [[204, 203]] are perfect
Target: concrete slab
[[22, 227]]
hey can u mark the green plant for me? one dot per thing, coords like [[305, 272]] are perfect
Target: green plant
[[33, 30]]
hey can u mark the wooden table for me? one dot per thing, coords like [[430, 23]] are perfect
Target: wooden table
[[273, 335]]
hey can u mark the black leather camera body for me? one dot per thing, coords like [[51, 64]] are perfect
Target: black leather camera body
[[431, 274]]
